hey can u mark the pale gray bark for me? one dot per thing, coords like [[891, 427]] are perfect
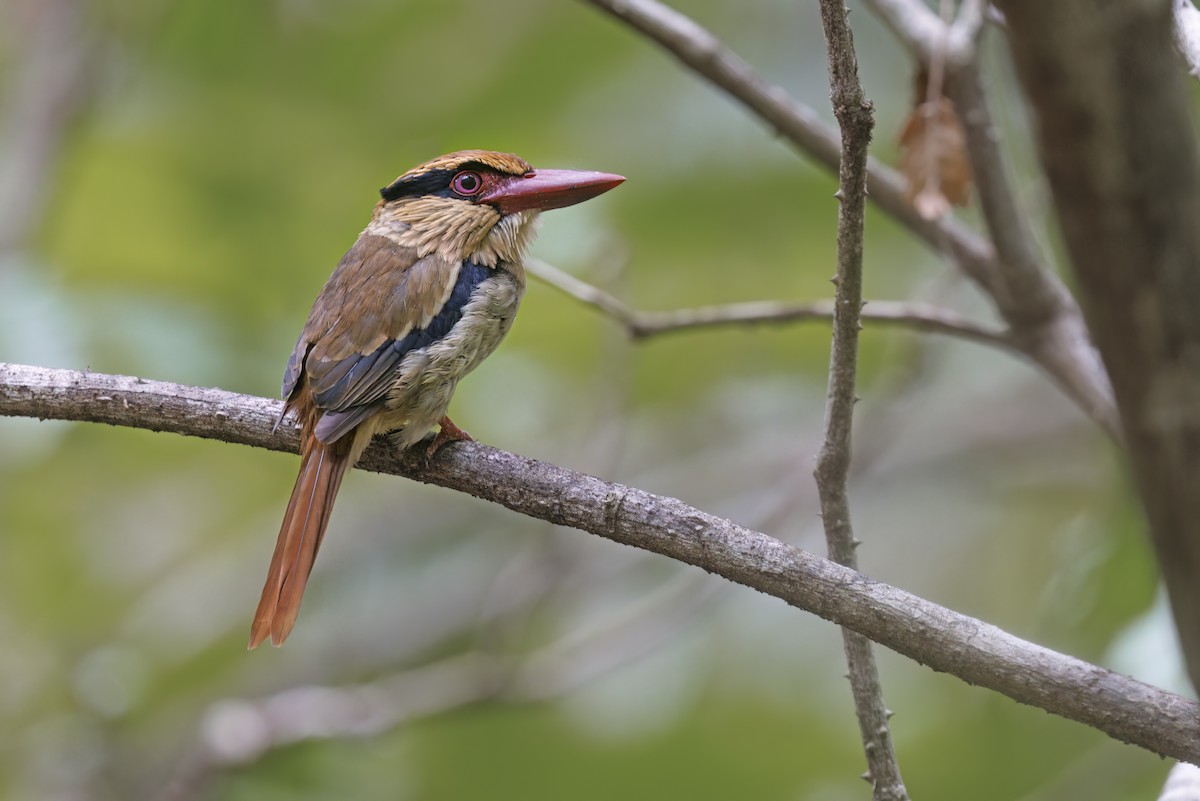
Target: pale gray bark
[[974, 651]]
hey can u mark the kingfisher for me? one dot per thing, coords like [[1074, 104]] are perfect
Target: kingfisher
[[423, 296]]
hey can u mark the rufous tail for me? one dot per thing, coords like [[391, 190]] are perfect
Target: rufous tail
[[321, 470]]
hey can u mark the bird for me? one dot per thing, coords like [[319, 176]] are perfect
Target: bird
[[425, 294]]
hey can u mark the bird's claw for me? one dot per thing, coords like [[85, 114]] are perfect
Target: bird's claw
[[448, 432]]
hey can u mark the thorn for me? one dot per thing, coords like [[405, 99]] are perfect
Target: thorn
[[835, 280], [838, 193], [882, 732], [865, 776], [887, 713], [846, 676], [857, 398], [855, 543]]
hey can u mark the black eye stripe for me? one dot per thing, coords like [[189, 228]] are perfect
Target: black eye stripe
[[427, 183], [433, 182]]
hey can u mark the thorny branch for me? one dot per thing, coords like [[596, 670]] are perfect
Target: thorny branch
[[856, 119], [945, 641]]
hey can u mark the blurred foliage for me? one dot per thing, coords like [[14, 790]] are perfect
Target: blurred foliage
[[226, 154]]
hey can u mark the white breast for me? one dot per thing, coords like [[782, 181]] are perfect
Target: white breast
[[427, 377]]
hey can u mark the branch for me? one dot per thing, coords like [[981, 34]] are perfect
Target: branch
[[856, 120], [1025, 281], [927, 35], [921, 317], [967, 29], [1042, 315], [1049, 329], [1045, 320], [974, 651], [709, 58], [1126, 187]]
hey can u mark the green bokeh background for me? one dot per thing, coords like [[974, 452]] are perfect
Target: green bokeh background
[[227, 153]]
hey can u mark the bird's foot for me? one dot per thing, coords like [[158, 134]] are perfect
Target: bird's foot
[[448, 432]]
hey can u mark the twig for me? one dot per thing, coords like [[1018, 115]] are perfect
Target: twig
[[1025, 286], [912, 22], [856, 119], [946, 641], [1044, 319], [968, 27], [929, 39], [638, 324], [1049, 328], [709, 58]]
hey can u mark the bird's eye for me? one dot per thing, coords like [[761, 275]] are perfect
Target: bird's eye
[[467, 183]]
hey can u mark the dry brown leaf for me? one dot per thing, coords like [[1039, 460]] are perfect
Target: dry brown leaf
[[933, 157]]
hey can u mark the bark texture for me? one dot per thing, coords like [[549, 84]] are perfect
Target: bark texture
[[1119, 152], [944, 640]]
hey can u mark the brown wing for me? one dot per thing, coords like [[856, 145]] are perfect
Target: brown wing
[[380, 303]]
